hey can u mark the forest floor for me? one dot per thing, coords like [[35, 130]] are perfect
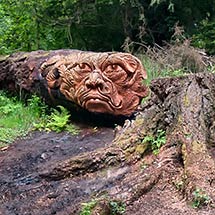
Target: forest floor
[[25, 192]]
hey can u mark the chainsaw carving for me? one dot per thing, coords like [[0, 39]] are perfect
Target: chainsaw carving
[[99, 82], [108, 82]]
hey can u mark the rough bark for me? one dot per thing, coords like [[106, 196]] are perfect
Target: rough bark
[[184, 108], [108, 82]]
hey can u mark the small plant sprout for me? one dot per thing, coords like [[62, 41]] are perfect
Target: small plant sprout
[[143, 166], [156, 141], [117, 207], [88, 207], [200, 198]]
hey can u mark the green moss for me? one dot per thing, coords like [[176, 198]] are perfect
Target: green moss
[[140, 149], [186, 101]]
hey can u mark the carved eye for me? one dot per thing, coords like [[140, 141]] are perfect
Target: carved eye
[[84, 66], [115, 72], [112, 67]]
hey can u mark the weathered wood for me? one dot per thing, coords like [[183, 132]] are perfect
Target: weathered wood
[[108, 82], [184, 107]]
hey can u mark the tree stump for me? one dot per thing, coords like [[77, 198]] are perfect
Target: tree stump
[[183, 172]]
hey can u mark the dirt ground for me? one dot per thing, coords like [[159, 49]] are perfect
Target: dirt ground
[[22, 189]]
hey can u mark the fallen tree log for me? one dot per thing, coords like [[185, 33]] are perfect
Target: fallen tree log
[[108, 82]]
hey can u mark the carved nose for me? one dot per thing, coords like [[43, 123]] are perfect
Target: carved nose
[[94, 80]]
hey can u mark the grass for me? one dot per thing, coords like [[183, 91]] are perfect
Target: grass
[[155, 70], [18, 119]]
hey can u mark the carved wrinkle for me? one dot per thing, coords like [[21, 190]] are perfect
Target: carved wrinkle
[[98, 82]]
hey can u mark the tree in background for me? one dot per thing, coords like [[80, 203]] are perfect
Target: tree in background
[[101, 25]]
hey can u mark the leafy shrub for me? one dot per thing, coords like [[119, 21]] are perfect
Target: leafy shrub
[[205, 38], [37, 106], [7, 105]]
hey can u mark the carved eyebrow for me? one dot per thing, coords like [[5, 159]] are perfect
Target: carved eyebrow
[[70, 66], [102, 65]]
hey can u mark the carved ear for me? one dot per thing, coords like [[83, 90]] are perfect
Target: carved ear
[[56, 73], [134, 66], [131, 64], [53, 78]]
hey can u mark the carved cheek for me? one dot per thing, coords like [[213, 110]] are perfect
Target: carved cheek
[[80, 89], [67, 90], [67, 85]]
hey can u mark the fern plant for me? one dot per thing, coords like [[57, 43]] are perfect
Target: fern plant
[[58, 121], [156, 141]]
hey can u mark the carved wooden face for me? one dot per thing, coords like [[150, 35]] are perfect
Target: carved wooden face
[[99, 82]]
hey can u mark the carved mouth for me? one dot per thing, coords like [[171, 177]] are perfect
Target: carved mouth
[[99, 103], [99, 106]]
